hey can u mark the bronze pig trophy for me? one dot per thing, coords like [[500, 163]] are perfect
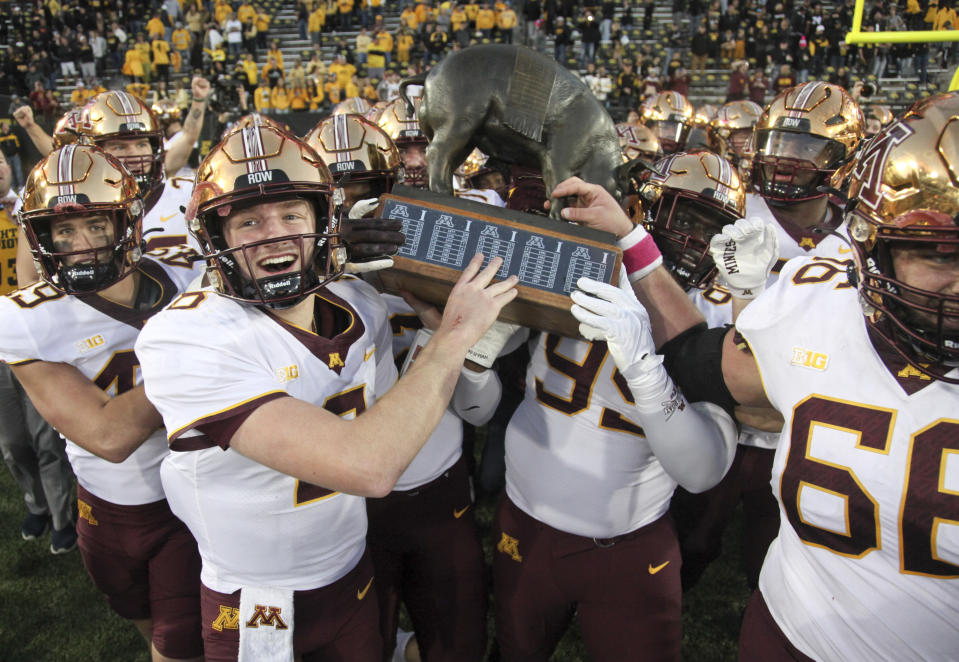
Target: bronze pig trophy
[[521, 107]]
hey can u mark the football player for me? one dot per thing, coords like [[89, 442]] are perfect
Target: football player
[[423, 538], [69, 339], [862, 364], [592, 460], [403, 128], [729, 131], [669, 115], [124, 126], [272, 383]]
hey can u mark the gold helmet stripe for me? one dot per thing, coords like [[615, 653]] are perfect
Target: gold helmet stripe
[[805, 94], [128, 106], [65, 170], [341, 138], [252, 148]]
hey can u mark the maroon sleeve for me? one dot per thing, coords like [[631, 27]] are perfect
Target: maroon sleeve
[[219, 430]]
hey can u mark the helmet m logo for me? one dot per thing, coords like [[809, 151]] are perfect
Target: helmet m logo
[[873, 160]]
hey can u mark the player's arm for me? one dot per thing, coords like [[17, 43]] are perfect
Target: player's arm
[[704, 362], [111, 428], [26, 270], [670, 310], [695, 444], [366, 455], [178, 151], [40, 138]]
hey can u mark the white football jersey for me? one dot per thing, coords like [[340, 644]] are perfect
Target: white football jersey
[[794, 245], [167, 217], [573, 459], [207, 356], [445, 445], [866, 565], [96, 336]]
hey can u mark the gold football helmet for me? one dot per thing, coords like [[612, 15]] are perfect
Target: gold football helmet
[[731, 128], [704, 115], [82, 181], [690, 196], [670, 117], [373, 114], [906, 187], [404, 129], [805, 139], [638, 141], [352, 106], [66, 130], [167, 112], [877, 116], [254, 165], [118, 115], [255, 119], [358, 154]]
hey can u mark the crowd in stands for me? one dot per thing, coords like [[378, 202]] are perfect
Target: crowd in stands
[[153, 46]]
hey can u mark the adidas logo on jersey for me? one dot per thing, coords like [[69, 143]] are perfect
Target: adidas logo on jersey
[[807, 358], [287, 374], [89, 343]]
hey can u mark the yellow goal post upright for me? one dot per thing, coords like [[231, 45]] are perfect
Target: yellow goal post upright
[[857, 36]]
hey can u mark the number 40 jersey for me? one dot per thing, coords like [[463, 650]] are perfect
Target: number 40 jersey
[[866, 565]]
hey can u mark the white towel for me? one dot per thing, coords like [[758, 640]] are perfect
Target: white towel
[[266, 624]]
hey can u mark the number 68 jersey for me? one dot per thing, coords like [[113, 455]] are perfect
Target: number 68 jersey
[[866, 565]]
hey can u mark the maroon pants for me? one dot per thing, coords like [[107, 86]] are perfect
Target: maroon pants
[[426, 550], [146, 562], [625, 591], [335, 623], [761, 638], [702, 518]]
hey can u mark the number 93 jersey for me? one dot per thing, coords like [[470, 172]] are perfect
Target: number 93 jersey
[[866, 565], [208, 359], [574, 460]]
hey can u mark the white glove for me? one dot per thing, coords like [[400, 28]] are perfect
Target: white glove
[[614, 315], [745, 253], [363, 207], [491, 345], [366, 267]]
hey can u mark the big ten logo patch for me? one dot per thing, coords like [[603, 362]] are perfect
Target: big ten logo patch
[[287, 373], [807, 358]]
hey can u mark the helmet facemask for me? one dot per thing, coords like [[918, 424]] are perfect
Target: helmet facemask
[[682, 225], [87, 270], [921, 325], [791, 167]]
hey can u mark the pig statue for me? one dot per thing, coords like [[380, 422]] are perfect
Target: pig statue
[[521, 107]]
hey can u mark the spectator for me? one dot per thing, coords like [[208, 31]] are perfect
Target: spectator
[[272, 72], [590, 36], [155, 28], [627, 86], [315, 25], [297, 74], [362, 46], [276, 54], [784, 80], [249, 68], [261, 96], [405, 40], [738, 81], [485, 21], [10, 146], [505, 23], [562, 39], [699, 49], [262, 26], [161, 59], [280, 97], [345, 13], [758, 86], [233, 30], [679, 81]]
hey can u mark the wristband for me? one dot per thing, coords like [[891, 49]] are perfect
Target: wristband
[[640, 253]]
